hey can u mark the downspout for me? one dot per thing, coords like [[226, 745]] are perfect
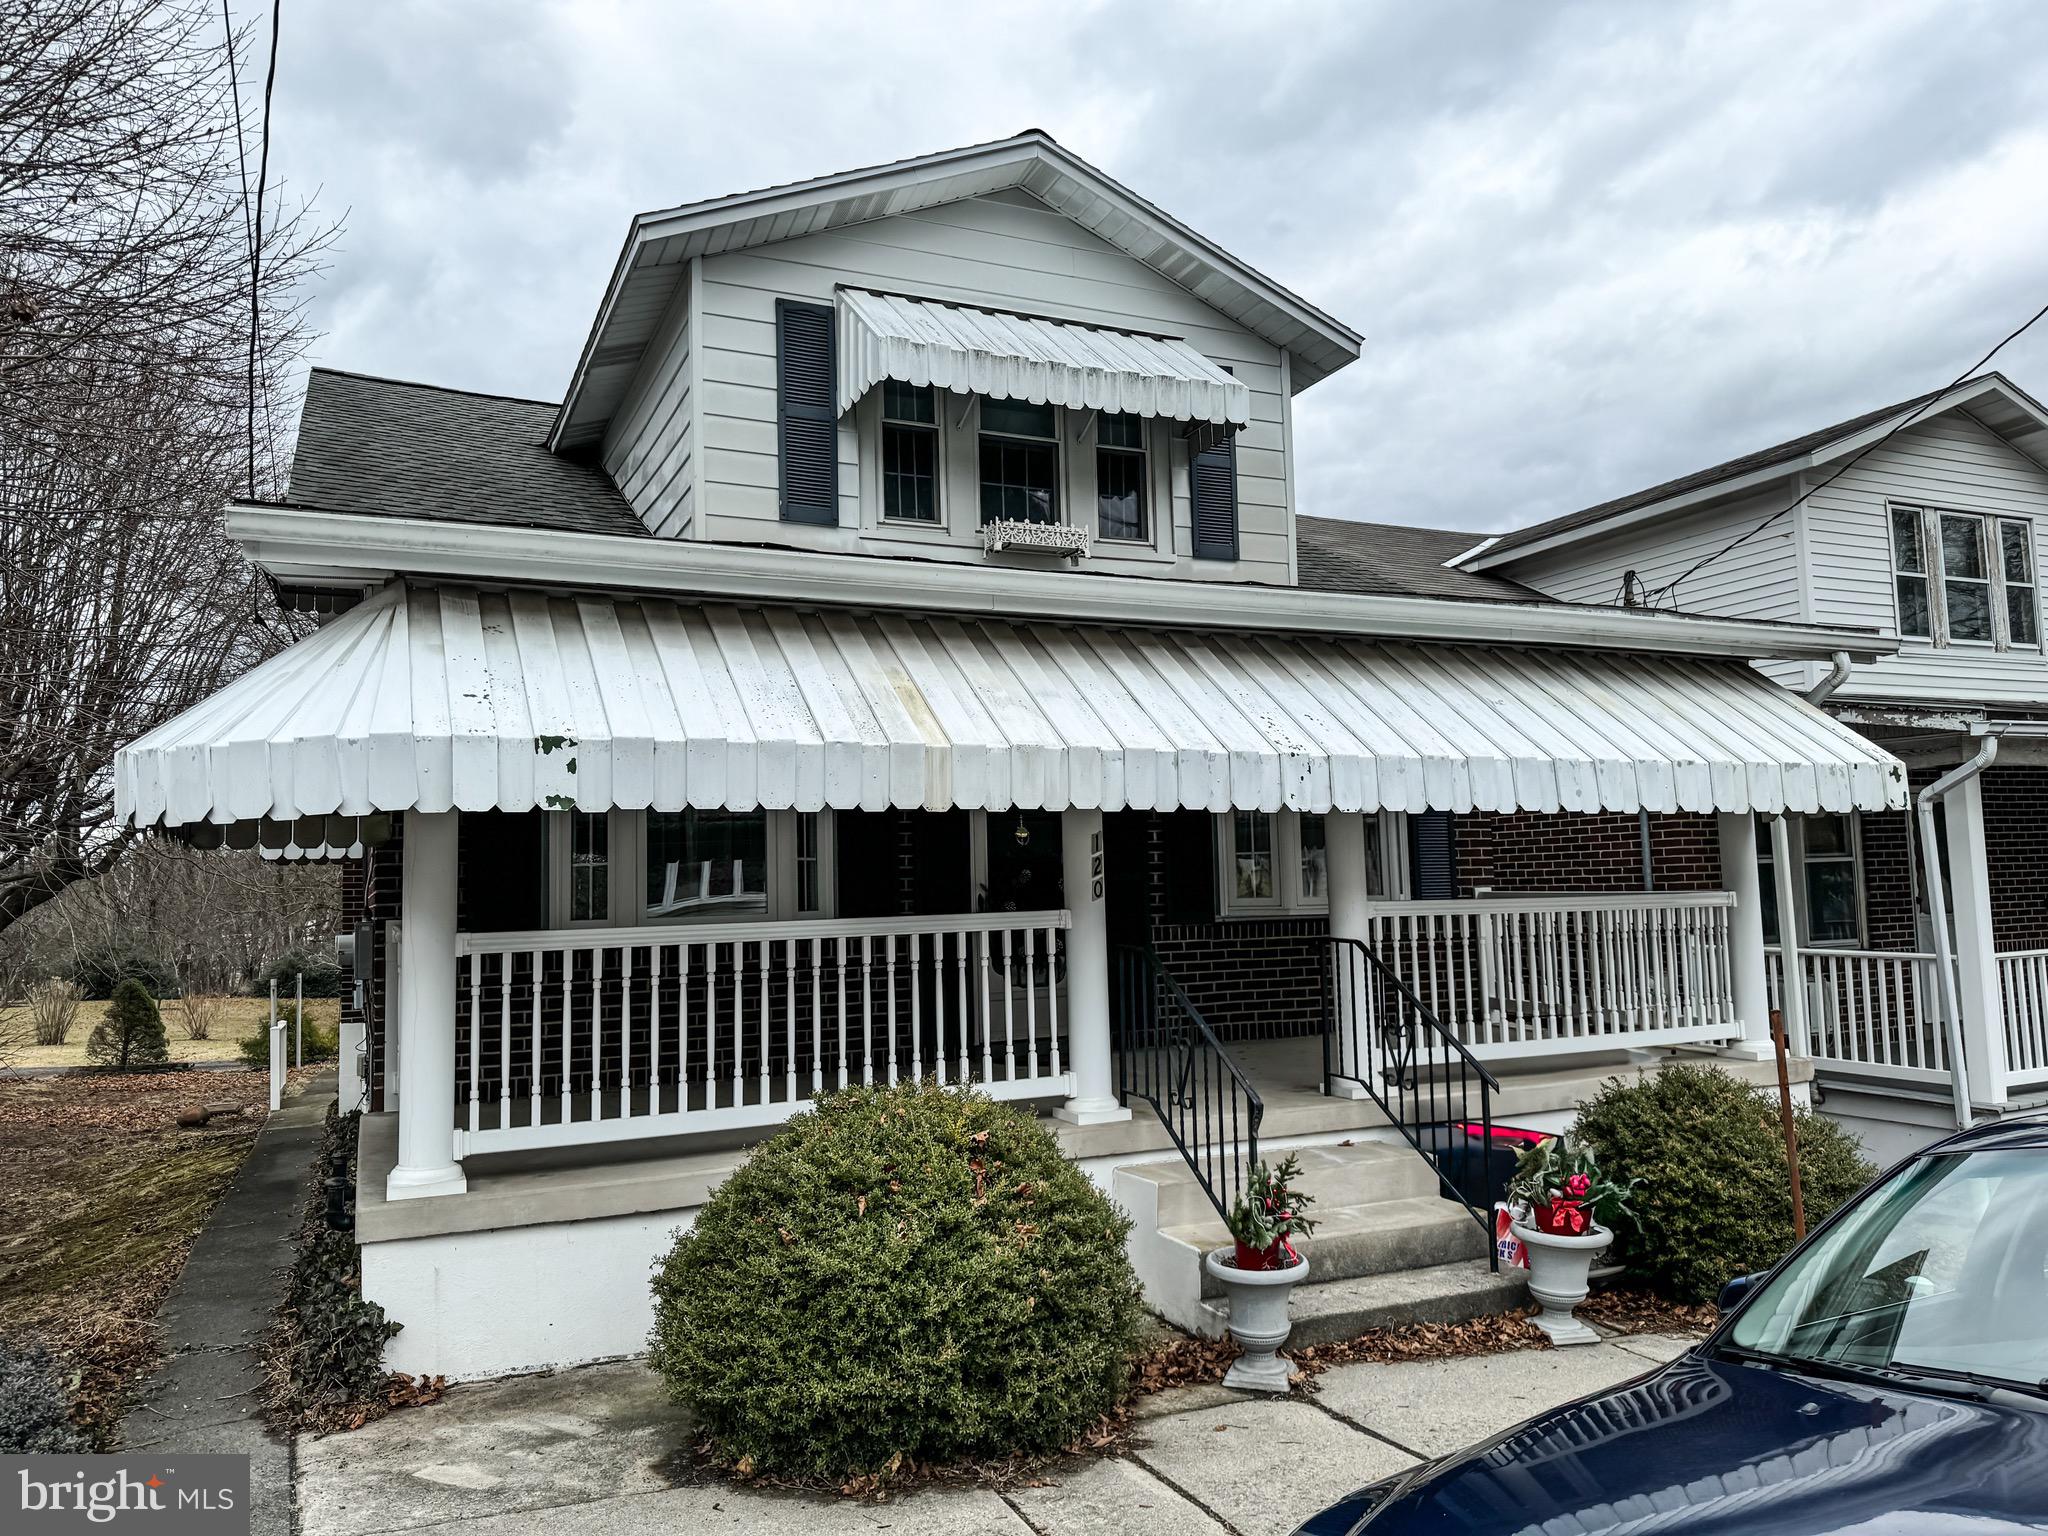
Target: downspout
[[1838, 674], [1937, 907]]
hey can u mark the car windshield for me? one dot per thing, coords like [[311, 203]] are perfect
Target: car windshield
[[1944, 1270]]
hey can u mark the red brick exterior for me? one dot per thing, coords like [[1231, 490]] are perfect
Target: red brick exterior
[[1526, 853], [2015, 823]]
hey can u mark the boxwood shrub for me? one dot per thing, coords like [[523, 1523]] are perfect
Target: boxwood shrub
[[1715, 1199], [913, 1271]]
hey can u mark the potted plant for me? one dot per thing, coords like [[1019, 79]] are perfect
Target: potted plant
[[1564, 1209], [1259, 1272]]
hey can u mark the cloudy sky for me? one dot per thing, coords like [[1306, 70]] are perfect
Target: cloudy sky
[[1590, 245]]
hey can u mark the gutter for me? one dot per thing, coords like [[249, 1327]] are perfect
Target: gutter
[[329, 548], [1937, 904]]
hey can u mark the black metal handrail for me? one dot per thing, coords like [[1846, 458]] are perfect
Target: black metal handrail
[[1379, 1034], [1170, 1057]]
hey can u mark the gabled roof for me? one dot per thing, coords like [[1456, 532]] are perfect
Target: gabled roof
[[660, 244], [393, 449], [1336, 555], [1990, 398]]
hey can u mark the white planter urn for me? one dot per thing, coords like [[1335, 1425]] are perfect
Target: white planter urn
[[1258, 1319], [1558, 1267]]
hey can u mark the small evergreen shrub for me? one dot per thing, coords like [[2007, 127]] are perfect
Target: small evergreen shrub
[[132, 1033], [319, 1044], [35, 1408], [101, 967], [1714, 1198], [320, 970], [913, 1272]]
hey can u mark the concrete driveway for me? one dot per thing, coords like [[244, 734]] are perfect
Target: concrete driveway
[[604, 1454]]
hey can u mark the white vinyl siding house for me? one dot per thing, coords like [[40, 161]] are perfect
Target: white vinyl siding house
[[1952, 465], [1004, 250]]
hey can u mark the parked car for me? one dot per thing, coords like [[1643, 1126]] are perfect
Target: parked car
[[1890, 1375]]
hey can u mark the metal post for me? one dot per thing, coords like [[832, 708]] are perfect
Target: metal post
[[1790, 1126], [299, 1020]]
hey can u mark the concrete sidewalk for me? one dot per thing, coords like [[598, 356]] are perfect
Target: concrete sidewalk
[[603, 1453]]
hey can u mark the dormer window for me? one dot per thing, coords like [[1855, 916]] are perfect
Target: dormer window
[[1120, 477], [910, 453], [1020, 462]]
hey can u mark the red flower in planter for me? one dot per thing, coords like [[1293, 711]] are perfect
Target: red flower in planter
[[1578, 1186]]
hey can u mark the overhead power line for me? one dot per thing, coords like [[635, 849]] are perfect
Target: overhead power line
[[1653, 597]]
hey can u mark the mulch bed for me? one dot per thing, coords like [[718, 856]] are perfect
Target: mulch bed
[[1631, 1310], [101, 1196]]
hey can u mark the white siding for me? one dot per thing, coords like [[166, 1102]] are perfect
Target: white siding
[[648, 449], [1952, 462], [1760, 580], [1008, 251]]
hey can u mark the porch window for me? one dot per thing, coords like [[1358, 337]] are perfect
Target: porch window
[[590, 867], [1827, 858], [706, 864], [1120, 477], [1964, 578], [1020, 462], [910, 453], [1270, 863]]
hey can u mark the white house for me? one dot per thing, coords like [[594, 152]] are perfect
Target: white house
[[1925, 521], [899, 653]]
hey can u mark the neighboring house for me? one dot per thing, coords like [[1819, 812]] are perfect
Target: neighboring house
[[900, 654], [1928, 522]]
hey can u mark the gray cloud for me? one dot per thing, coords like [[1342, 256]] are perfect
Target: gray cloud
[[1591, 246]]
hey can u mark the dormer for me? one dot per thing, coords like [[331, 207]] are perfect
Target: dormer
[[994, 354]]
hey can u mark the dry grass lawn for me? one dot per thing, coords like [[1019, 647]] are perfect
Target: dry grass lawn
[[243, 1017]]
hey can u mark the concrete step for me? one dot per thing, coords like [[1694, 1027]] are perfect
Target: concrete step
[[1329, 1311], [1351, 1241], [1364, 1173]]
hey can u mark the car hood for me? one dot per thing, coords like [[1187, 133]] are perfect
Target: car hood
[[1715, 1446]]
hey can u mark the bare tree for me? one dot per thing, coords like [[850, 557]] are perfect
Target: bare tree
[[126, 308]]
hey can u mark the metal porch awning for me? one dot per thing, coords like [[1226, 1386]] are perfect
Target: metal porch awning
[[432, 697], [1019, 357]]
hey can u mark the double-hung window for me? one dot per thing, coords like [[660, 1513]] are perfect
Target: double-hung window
[[910, 452], [628, 868], [1827, 875], [1020, 462], [1275, 863], [1964, 578], [1120, 477]]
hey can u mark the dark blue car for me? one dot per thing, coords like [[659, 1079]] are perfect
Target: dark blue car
[[1889, 1378]]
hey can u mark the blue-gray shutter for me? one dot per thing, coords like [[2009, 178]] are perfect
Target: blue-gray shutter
[[1212, 490], [1432, 856], [807, 412]]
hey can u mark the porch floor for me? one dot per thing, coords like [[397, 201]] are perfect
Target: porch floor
[[534, 1188]]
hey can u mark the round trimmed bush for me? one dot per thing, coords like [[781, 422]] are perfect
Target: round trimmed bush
[[1715, 1199], [912, 1271]]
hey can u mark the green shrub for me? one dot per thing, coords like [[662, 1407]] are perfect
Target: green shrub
[[912, 1271], [318, 1045], [1715, 1200], [320, 970], [101, 967], [132, 1033]]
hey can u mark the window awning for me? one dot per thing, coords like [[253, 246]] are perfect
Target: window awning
[[1018, 357], [429, 698]]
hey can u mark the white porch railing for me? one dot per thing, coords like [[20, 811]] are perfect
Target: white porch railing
[[1873, 1013], [587, 1035], [2023, 985], [1547, 975]]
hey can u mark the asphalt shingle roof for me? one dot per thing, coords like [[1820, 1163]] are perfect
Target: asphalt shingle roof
[[392, 449], [1334, 555]]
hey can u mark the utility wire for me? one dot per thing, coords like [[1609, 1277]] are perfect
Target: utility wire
[[248, 235], [1670, 587], [256, 241]]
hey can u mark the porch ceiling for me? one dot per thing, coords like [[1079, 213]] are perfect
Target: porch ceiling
[[427, 698]]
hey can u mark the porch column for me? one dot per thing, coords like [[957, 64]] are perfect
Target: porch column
[[1791, 915], [426, 1058], [1746, 963], [1088, 1053], [1977, 987], [1350, 895]]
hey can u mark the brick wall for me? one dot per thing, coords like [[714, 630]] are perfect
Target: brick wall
[[380, 905], [1529, 853], [2015, 816]]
